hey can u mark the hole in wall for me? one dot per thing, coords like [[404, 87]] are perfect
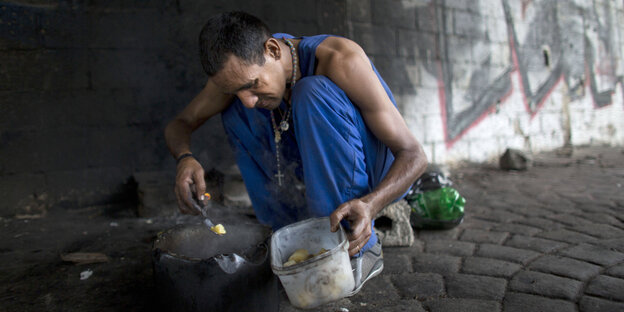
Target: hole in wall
[[546, 55], [383, 223]]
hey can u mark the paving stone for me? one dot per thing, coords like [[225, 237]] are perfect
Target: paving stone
[[397, 264], [541, 223], [594, 254], [499, 215], [534, 243], [429, 235], [490, 267], [419, 285], [600, 230], [506, 253], [480, 236], [517, 229], [394, 306], [475, 223], [450, 247], [518, 302], [377, 289], [531, 210], [475, 287], [617, 271], [607, 287], [616, 244], [567, 236], [569, 220], [461, 305], [430, 263], [593, 304], [601, 218], [545, 284], [416, 249], [566, 267]]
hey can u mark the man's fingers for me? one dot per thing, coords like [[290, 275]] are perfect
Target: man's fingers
[[336, 217], [358, 228], [200, 184], [357, 245], [181, 205], [185, 194]]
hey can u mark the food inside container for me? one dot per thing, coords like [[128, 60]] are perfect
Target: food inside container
[[318, 279]]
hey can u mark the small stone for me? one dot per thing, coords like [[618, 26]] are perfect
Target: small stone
[[400, 232], [513, 159]]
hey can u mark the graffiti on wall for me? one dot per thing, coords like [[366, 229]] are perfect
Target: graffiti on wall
[[544, 42]]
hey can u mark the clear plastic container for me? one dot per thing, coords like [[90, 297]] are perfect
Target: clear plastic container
[[318, 280]]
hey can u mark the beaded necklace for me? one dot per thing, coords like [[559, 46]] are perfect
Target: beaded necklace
[[283, 125]]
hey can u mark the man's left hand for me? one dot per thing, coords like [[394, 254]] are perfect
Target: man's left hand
[[358, 214]]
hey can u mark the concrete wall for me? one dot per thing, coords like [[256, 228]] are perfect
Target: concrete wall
[[87, 86], [476, 77]]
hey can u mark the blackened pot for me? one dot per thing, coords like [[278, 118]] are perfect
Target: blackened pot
[[198, 270]]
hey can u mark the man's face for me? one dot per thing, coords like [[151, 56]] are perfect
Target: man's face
[[256, 86]]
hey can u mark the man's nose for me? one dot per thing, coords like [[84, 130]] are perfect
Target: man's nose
[[248, 99]]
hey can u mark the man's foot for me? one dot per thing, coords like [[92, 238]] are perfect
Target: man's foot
[[369, 265]]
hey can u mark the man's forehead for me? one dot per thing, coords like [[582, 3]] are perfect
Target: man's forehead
[[234, 71]]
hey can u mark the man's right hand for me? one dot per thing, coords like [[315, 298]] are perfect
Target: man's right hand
[[190, 182]]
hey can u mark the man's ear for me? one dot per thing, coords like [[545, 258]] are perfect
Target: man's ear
[[273, 49]]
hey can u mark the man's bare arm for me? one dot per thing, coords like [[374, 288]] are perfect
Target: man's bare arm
[[345, 63], [209, 102]]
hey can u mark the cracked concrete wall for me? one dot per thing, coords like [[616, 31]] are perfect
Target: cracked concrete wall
[[87, 86]]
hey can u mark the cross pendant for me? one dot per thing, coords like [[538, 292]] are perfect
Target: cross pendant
[[279, 177]]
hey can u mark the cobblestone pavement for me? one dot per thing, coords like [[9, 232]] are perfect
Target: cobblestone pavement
[[547, 239]]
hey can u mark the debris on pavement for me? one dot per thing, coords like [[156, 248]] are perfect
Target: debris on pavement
[[85, 274], [80, 258], [513, 159]]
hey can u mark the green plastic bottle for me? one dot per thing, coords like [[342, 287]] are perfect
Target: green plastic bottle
[[435, 208]]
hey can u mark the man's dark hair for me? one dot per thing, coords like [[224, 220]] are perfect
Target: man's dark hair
[[237, 33]]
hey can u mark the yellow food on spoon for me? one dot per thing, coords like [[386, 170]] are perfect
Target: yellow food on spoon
[[218, 229]]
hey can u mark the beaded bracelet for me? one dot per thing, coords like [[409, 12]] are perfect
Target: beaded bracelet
[[183, 156]]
